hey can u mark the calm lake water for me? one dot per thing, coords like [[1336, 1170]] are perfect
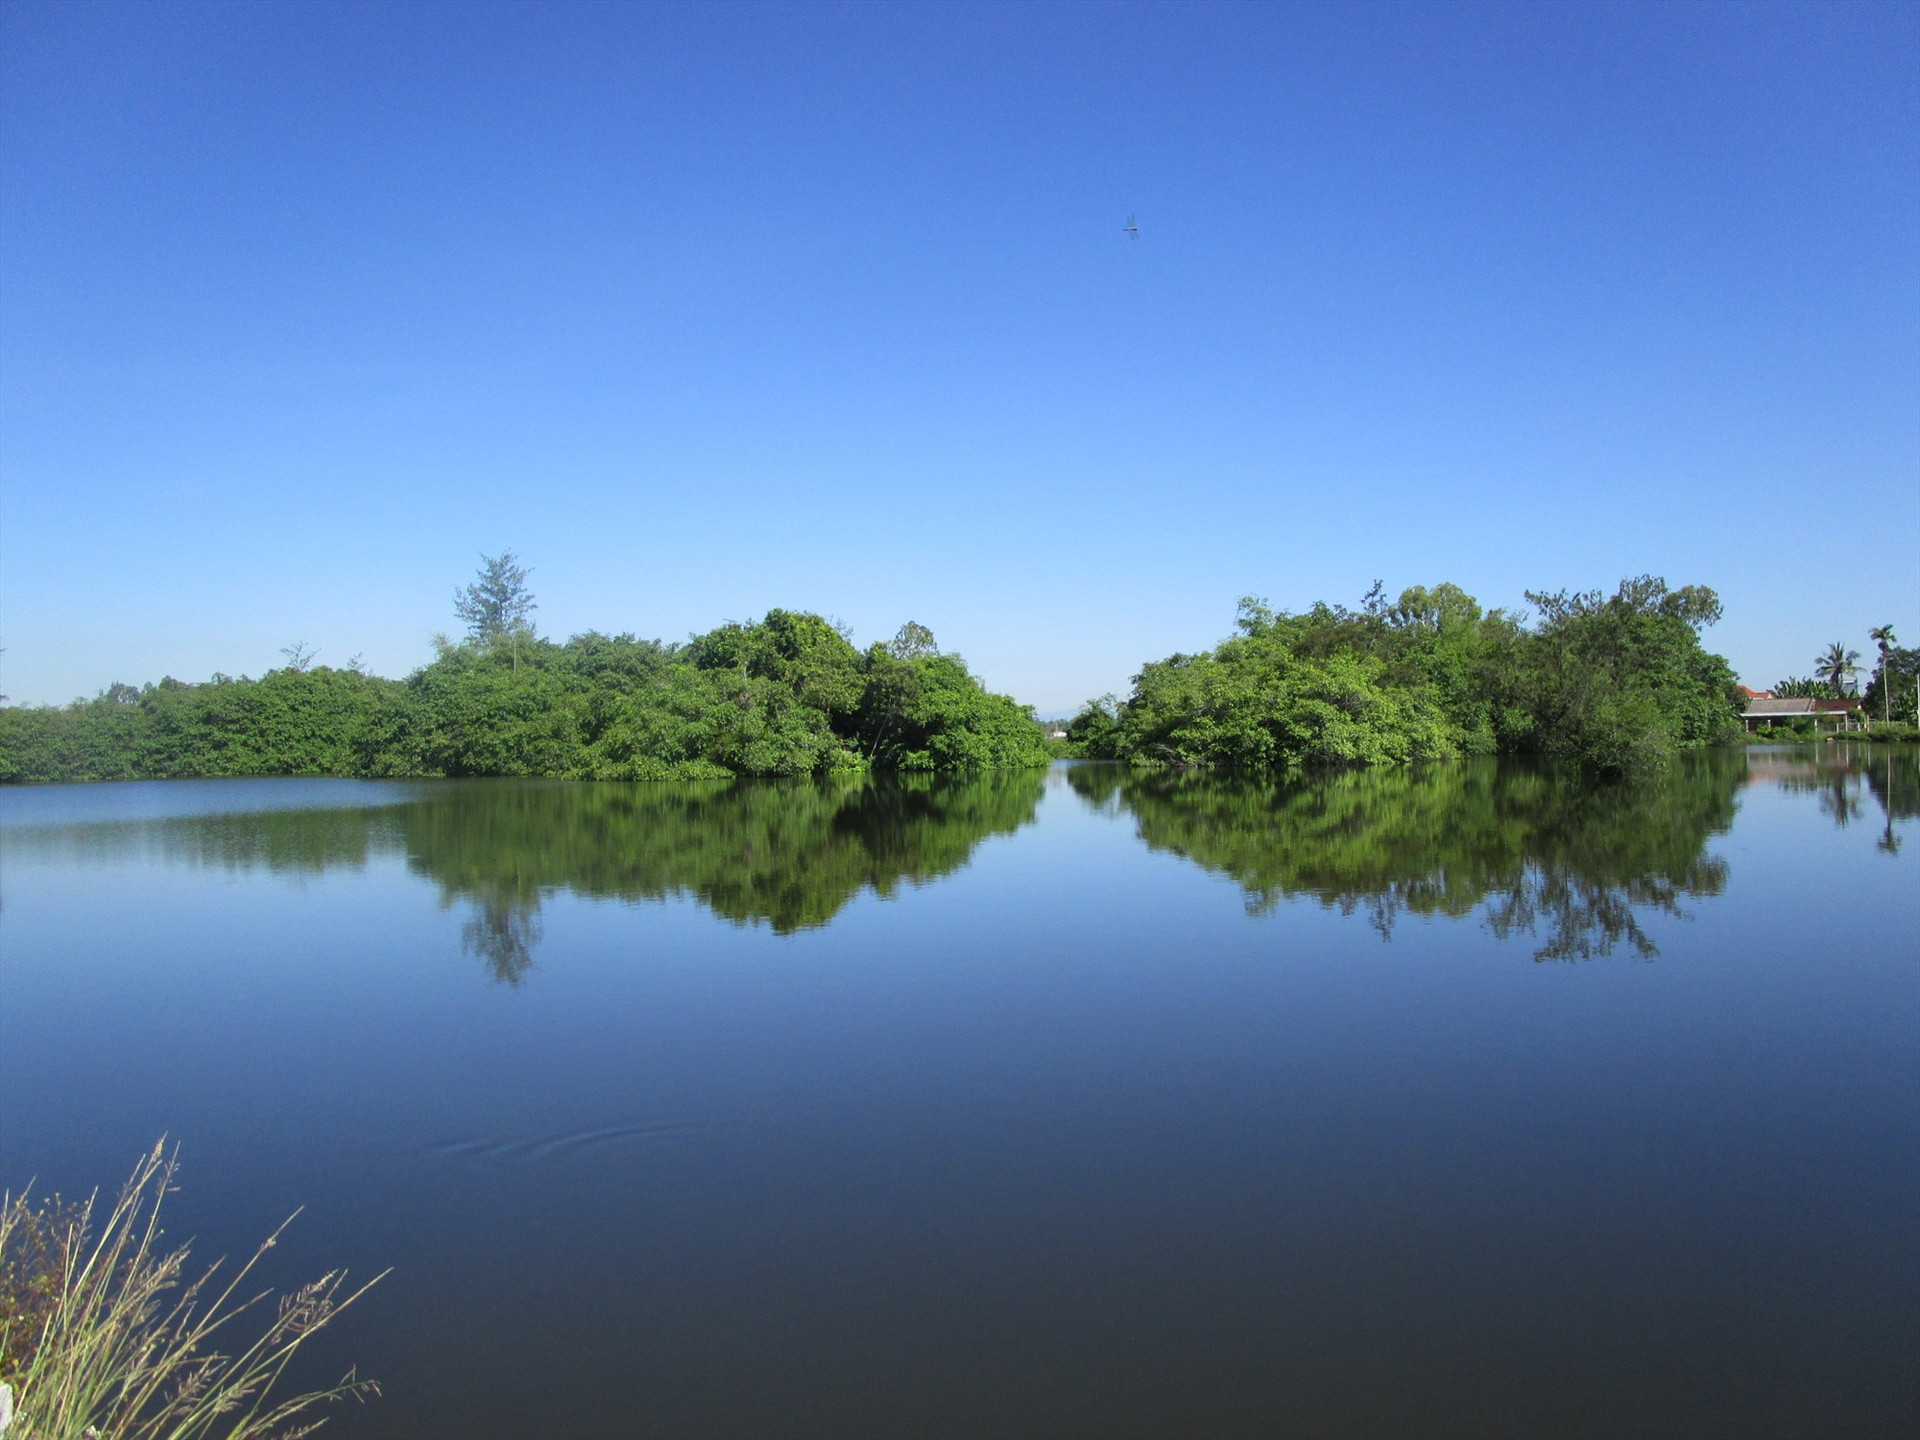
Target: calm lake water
[[1461, 1102]]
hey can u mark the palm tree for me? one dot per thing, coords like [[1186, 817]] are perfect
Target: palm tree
[[1838, 666], [1884, 637]]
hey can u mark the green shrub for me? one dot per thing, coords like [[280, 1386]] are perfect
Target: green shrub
[[784, 696], [1614, 685]]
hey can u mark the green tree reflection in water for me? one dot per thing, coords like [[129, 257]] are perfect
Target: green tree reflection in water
[[789, 855], [786, 854], [1893, 776], [1534, 851], [1841, 776]]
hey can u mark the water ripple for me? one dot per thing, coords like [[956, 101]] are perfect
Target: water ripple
[[529, 1149]]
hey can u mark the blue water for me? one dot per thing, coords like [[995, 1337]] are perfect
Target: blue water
[[1072, 1104]]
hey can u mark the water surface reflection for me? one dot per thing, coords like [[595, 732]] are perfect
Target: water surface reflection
[[1535, 852], [1066, 1143], [786, 855], [1845, 778], [1532, 852], [789, 855]]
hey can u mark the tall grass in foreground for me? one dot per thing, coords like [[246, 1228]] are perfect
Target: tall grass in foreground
[[102, 1335]]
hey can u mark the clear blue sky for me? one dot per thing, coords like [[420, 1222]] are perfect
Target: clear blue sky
[[705, 310]]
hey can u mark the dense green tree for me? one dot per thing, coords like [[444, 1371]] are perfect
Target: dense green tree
[[1895, 687], [1611, 682], [1616, 683], [929, 713], [289, 722], [477, 712], [785, 695], [1094, 733], [1255, 702]]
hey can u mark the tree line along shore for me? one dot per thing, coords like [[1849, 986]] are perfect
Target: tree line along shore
[[787, 695], [1610, 683]]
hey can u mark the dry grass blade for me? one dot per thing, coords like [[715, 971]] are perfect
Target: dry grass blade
[[99, 1336]]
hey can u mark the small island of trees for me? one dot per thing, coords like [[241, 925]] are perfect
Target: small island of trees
[[1610, 684], [788, 694]]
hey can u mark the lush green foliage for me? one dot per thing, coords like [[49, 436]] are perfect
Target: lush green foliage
[[289, 722], [1802, 687], [1780, 732], [1894, 692], [1875, 733], [787, 695], [1615, 683]]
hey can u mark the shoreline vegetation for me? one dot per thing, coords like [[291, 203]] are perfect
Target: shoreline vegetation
[[1610, 684], [1873, 733], [1613, 684], [102, 1334], [788, 695]]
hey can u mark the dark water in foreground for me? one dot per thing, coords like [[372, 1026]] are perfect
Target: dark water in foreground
[[1468, 1102]]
